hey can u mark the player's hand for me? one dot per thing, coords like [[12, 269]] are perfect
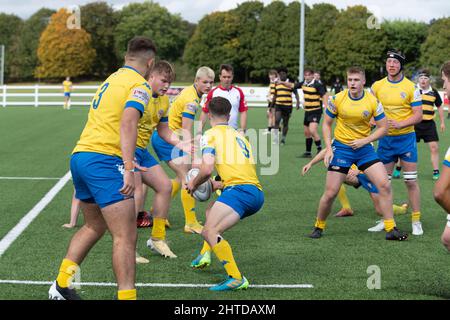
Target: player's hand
[[442, 126], [358, 143], [328, 157], [242, 132], [297, 106], [394, 124], [128, 184], [189, 186], [139, 167], [306, 168]]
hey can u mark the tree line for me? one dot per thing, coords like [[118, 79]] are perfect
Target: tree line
[[252, 37]]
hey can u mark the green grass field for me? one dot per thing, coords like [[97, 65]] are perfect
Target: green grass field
[[270, 247]]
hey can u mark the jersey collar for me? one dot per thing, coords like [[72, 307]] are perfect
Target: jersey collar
[[128, 67], [222, 88], [362, 96], [401, 79]]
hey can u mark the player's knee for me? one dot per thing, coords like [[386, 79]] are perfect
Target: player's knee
[[385, 187], [438, 194], [165, 186], [209, 233], [410, 178], [445, 239]]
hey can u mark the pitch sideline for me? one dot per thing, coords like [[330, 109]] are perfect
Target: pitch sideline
[[15, 232]]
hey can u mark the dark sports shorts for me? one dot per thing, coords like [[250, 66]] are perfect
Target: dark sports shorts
[[285, 110], [427, 131], [312, 116]]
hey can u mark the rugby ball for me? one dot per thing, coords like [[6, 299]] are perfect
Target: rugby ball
[[203, 192]]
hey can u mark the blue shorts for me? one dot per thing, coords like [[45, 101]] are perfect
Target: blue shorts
[[144, 158], [67, 94], [390, 148], [366, 183], [164, 150], [97, 178], [245, 199], [344, 156]]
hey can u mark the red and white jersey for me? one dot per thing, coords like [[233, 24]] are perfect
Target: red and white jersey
[[236, 98]]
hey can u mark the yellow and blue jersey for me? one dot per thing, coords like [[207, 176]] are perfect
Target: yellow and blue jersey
[[398, 98], [233, 154], [353, 115], [125, 88], [447, 158], [185, 105], [156, 112], [67, 86]]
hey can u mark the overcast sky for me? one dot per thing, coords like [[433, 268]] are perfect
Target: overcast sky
[[194, 10]]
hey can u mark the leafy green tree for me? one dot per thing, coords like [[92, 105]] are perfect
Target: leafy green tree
[[149, 19], [62, 51], [436, 48], [99, 20], [29, 41], [406, 36], [267, 41], [351, 42], [215, 41], [10, 29], [319, 22], [249, 15]]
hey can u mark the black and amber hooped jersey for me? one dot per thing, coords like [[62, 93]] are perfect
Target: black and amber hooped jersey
[[283, 95], [312, 93], [430, 98]]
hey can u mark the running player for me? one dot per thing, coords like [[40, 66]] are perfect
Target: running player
[[353, 108], [403, 106], [67, 88], [181, 119], [231, 154], [273, 78], [442, 188], [102, 170], [426, 129]]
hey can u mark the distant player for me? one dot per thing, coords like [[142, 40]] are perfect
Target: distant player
[[67, 88], [226, 89], [426, 129], [354, 108], [102, 167], [224, 149], [273, 78], [403, 106], [282, 101], [181, 121], [442, 188]]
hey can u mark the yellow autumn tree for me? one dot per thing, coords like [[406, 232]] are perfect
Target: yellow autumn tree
[[64, 51]]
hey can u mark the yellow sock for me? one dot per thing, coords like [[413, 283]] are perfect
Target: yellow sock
[[175, 187], [342, 196], [67, 270], [127, 294], [320, 224], [389, 224], [188, 206], [159, 228], [415, 216], [225, 256], [399, 209], [206, 247]]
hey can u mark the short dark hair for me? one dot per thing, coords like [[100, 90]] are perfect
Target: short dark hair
[[283, 75], [141, 45], [445, 69], [356, 69], [164, 66], [219, 106], [308, 70], [424, 73], [227, 67]]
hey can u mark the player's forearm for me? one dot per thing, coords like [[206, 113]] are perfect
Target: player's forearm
[[244, 121], [326, 131], [128, 137], [414, 119], [381, 130], [319, 157], [441, 114], [203, 175]]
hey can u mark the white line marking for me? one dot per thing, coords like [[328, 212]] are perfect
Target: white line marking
[[15, 232], [161, 285], [28, 178]]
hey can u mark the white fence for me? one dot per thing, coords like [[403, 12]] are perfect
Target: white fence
[[38, 95]]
